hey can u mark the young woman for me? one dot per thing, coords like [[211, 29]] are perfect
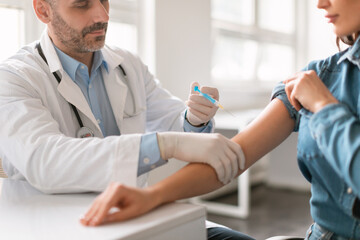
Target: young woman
[[322, 103]]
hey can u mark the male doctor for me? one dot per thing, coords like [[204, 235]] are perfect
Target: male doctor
[[77, 115]]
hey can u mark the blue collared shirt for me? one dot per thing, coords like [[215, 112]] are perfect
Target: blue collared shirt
[[95, 93], [93, 89], [329, 143]]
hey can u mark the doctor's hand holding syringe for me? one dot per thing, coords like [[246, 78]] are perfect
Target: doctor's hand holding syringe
[[225, 156], [203, 103], [202, 106]]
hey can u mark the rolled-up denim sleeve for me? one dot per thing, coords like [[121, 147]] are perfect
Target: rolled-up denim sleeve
[[279, 93]]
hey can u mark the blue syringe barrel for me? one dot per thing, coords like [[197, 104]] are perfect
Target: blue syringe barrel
[[208, 97]]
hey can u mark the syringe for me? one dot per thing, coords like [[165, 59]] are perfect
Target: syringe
[[215, 102], [196, 89]]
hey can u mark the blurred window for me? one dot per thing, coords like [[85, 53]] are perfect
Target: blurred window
[[12, 27], [254, 41], [123, 25], [20, 26]]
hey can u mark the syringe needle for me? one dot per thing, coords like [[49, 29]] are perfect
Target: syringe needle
[[208, 97], [229, 113]]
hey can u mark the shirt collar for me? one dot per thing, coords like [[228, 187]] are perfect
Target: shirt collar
[[352, 54], [71, 65], [99, 60]]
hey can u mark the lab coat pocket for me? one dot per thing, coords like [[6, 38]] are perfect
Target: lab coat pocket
[[135, 103], [132, 109], [135, 123]]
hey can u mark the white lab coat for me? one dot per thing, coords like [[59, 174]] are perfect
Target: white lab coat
[[38, 127]]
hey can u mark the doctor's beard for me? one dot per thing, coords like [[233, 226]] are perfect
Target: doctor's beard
[[76, 40]]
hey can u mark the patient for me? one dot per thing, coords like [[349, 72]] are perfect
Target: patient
[[322, 103]]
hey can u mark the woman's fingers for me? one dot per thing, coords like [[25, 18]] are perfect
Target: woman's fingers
[[102, 205], [291, 92], [130, 202], [126, 213], [290, 89], [89, 215], [113, 198]]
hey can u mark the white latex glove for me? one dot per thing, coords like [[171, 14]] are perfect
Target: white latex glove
[[200, 110], [216, 150]]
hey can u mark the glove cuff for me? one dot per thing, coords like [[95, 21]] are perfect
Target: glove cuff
[[167, 144], [194, 119], [162, 146]]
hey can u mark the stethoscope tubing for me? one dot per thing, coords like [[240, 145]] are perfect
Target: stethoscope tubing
[[58, 78]]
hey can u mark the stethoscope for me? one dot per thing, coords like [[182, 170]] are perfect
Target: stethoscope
[[83, 131]]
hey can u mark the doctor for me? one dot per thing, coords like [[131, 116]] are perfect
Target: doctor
[[77, 115]]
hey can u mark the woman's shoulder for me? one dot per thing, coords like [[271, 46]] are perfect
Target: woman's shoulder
[[329, 63]]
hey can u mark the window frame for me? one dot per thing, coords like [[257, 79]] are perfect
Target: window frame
[[32, 26], [124, 11], [296, 40]]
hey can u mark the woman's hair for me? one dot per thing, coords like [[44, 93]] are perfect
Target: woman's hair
[[349, 40]]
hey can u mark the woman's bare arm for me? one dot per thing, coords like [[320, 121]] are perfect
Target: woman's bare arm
[[266, 132]]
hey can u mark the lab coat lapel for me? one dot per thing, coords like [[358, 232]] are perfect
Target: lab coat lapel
[[73, 94], [115, 88], [67, 88]]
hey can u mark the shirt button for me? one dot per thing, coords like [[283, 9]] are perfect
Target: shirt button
[[98, 121], [90, 86], [82, 67], [146, 160], [349, 190]]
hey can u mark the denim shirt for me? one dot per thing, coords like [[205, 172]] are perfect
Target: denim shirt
[[328, 150]]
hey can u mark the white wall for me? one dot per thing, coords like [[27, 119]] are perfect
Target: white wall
[[183, 44], [321, 39], [182, 54]]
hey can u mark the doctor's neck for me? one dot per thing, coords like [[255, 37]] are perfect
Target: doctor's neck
[[85, 57]]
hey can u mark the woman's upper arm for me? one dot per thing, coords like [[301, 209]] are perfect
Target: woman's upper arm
[[266, 132]]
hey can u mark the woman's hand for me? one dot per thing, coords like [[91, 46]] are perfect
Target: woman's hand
[[305, 89], [129, 203]]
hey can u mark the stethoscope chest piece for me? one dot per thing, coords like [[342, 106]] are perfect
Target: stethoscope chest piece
[[84, 132]]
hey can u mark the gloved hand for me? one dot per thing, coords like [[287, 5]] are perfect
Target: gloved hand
[[200, 110], [216, 150]]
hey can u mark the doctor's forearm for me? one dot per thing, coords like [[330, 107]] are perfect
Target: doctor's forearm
[[192, 180]]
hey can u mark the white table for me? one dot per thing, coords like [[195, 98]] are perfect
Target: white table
[[26, 213]]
